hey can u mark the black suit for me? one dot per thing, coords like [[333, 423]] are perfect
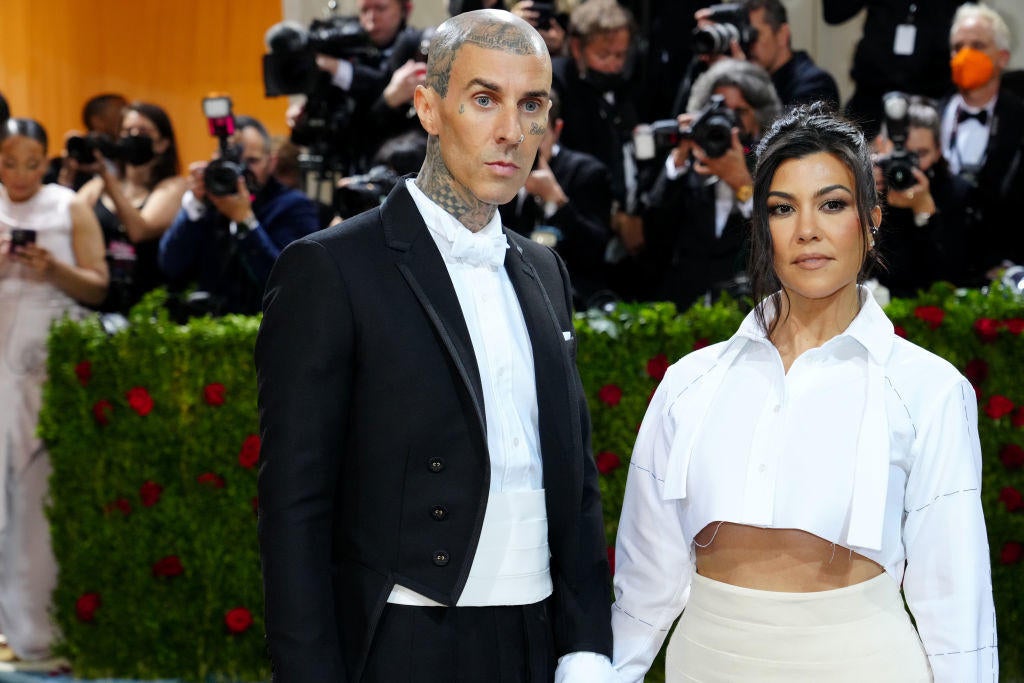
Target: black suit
[[801, 81], [583, 221], [993, 214], [371, 414]]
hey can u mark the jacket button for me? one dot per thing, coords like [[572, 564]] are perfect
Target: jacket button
[[435, 464], [439, 513], [441, 557]]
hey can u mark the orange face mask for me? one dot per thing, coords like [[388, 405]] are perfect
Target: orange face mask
[[971, 68]]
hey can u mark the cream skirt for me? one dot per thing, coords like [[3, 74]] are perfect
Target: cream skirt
[[858, 633]]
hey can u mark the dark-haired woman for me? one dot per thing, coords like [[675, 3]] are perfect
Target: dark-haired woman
[[787, 482], [51, 256], [135, 201]]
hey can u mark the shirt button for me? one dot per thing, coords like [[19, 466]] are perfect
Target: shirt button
[[439, 513], [435, 464], [441, 558]]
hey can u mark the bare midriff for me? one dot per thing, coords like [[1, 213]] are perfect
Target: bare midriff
[[788, 560]]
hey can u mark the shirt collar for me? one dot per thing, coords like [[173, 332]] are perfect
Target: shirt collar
[[870, 328], [441, 223], [990, 106]]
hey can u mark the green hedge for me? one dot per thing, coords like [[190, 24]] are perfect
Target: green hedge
[[152, 436]]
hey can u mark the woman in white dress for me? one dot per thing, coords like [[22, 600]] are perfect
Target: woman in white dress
[[787, 482], [51, 255]]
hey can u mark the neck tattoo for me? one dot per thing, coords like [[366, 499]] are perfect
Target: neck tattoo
[[436, 181]]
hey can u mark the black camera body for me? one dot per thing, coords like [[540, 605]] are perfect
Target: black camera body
[[712, 127], [545, 13], [898, 165], [364, 192], [81, 147], [220, 177], [731, 22]]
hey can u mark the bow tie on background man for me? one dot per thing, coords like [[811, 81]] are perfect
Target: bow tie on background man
[[981, 116], [478, 249]]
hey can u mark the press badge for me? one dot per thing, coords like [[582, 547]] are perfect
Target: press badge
[[906, 34]]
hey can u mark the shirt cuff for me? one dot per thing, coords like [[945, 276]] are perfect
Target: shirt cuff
[[194, 208], [585, 666], [672, 171], [342, 77], [746, 208]]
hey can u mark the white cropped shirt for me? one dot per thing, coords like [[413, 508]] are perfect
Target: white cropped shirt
[[868, 441]]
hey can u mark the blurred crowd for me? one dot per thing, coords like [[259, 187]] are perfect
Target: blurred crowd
[[642, 183]]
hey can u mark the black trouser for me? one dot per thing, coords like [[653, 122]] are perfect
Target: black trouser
[[462, 644]]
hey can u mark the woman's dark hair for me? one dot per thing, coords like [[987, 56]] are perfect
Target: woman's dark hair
[[806, 130], [167, 164], [29, 128]]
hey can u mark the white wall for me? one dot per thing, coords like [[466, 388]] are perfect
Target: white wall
[[830, 46]]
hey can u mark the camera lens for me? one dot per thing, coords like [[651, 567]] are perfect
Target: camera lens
[[221, 177]]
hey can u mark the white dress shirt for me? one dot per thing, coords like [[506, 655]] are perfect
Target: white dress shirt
[[868, 441], [968, 146]]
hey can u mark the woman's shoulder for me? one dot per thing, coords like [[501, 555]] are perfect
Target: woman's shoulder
[[694, 364], [919, 376]]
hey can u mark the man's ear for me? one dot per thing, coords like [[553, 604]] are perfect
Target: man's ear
[[427, 103], [785, 36]]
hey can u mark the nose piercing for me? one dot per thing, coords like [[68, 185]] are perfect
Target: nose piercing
[[522, 137]]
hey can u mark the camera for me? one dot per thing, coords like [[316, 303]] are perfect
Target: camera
[[712, 127], [731, 22], [22, 237], [898, 165], [81, 147], [364, 192], [545, 13], [651, 140], [290, 69], [220, 177]]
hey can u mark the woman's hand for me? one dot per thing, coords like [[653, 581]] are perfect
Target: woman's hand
[[35, 257]]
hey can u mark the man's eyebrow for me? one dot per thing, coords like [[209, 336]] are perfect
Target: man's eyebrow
[[494, 87]]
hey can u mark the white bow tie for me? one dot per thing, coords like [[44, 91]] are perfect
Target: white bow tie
[[477, 249]]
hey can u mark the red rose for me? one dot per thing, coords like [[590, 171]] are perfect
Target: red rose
[[610, 395], [1012, 456], [238, 619], [998, 406], [150, 492], [214, 394], [121, 504], [607, 462], [211, 479], [1018, 417], [1011, 498], [611, 559], [101, 411], [86, 606], [987, 330], [931, 315], [1012, 552], [169, 566], [139, 400], [976, 371], [657, 367], [701, 343], [84, 372], [900, 332], [1014, 325], [250, 453]]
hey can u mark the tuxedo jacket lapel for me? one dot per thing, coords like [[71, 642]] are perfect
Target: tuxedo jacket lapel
[[556, 415], [421, 265]]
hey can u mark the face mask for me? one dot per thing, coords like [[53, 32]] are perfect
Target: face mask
[[971, 68], [604, 81], [136, 150]]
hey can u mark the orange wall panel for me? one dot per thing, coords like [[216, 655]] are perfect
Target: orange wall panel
[[56, 54]]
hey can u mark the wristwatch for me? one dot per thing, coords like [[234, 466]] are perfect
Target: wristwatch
[[744, 193], [243, 226]]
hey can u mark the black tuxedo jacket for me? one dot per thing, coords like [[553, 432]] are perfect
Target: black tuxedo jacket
[[993, 216], [371, 415], [679, 230]]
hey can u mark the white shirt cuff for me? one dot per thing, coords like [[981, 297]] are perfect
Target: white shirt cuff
[[585, 666], [194, 208], [672, 171], [746, 208], [342, 77]]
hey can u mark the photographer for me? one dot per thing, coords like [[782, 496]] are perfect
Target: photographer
[[765, 39], [923, 233], [227, 242], [697, 213], [542, 15], [101, 116], [366, 78]]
